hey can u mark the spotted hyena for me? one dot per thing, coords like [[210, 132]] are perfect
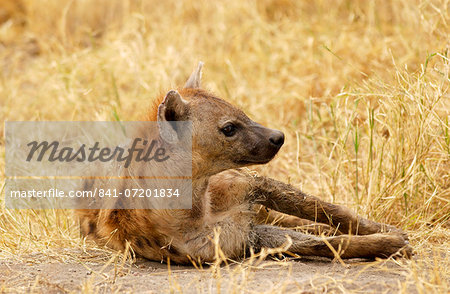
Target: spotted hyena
[[225, 139]]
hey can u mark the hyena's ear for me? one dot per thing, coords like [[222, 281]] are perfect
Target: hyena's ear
[[195, 78], [172, 109]]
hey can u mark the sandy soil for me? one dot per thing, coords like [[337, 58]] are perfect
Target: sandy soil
[[61, 273]]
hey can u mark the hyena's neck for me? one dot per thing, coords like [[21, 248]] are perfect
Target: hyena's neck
[[199, 169], [200, 204]]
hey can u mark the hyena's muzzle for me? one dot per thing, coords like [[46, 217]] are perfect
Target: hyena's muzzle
[[261, 144]]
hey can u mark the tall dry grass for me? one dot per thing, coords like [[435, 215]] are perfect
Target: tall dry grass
[[361, 89]]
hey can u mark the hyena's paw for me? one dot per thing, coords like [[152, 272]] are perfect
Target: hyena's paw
[[396, 246], [394, 230], [368, 227]]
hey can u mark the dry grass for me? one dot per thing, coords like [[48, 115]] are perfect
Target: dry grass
[[361, 89]]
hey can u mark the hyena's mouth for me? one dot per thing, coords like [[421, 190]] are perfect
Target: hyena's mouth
[[251, 162], [258, 159]]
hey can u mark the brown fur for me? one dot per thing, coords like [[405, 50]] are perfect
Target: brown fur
[[228, 198]]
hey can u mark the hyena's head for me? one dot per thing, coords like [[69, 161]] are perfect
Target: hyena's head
[[223, 136]]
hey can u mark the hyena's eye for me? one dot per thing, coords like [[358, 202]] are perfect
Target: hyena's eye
[[229, 130]]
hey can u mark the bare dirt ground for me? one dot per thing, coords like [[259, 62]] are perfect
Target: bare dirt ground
[[59, 272]]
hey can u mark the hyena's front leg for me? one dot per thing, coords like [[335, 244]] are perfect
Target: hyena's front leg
[[287, 199], [273, 217], [346, 246]]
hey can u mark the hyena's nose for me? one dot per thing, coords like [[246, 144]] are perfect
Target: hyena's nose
[[277, 139]]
